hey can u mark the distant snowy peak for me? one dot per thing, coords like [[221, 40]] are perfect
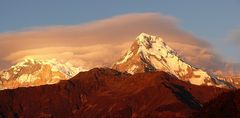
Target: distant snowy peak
[[33, 72], [151, 53]]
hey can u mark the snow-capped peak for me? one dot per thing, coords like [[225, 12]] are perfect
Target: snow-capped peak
[[151, 53], [34, 72], [143, 37]]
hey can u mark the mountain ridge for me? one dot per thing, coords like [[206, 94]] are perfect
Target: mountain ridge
[[108, 93], [34, 72]]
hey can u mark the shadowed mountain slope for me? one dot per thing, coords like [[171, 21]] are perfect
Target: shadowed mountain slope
[[226, 105]]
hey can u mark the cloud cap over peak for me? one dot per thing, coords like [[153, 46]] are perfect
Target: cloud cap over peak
[[103, 42]]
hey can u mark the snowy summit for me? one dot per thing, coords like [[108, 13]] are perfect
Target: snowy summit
[[151, 53]]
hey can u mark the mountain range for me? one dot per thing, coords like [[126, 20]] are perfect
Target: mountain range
[[150, 80]]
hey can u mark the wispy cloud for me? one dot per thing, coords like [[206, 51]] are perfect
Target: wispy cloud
[[85, 56]]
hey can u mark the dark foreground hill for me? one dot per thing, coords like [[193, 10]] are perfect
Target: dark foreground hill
[[227, 105], [109, 93]]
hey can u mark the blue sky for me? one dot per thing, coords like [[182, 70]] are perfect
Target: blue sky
[[211, 20]]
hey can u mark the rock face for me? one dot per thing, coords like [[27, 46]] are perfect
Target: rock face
[[151, 53], [109, 93], [226, 105], [32, 72]]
